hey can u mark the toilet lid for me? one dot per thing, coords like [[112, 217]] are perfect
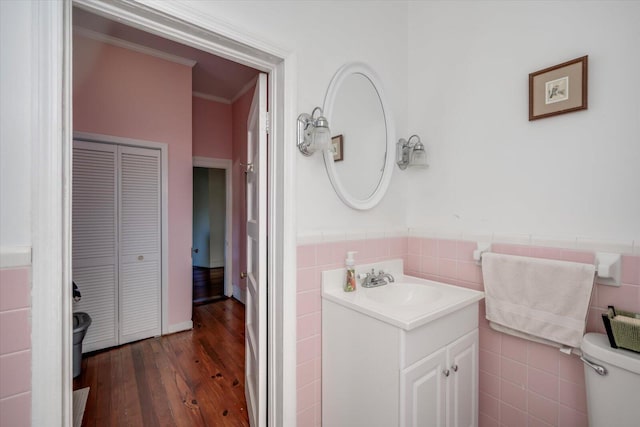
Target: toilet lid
[[598, 347]]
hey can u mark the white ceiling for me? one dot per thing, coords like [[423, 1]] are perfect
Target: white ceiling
[[212, 75]]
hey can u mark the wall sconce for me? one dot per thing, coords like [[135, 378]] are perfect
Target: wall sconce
[[410, 153], [313, 133]]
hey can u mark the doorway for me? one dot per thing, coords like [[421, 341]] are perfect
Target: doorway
[[209, 234], [51, 274], [114, 75]]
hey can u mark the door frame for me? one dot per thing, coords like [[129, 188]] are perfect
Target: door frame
[[51, 148], [226, 164]]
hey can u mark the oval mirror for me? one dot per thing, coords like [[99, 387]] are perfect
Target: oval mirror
[[362, 131]]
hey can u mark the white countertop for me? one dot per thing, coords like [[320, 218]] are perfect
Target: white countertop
[[410, 309]]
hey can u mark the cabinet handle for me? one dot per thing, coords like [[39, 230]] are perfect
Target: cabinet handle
[[140, 258], [455, 368], [446, 372]]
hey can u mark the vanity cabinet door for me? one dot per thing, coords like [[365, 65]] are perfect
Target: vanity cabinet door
[[462, 398], [442, 389], [423, 391]]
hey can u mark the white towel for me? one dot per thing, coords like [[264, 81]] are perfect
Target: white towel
[[545, 298]]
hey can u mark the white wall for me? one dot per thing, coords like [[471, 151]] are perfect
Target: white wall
[[491, 170], [324, 36], [15, 123]]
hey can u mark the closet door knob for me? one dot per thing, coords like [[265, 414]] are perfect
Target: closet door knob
[[140, 257], [243, 275], [446, 372], [455, 368]]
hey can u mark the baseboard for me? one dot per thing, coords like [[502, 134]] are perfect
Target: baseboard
[[240, 294], [179, 327]]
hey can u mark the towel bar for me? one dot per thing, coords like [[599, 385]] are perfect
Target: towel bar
[[482, 248], [608, 269]]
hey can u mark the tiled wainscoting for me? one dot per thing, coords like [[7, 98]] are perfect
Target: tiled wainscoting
[[521, 383], [15, 347], [312, 260]]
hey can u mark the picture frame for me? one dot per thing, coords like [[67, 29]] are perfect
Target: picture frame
[[337, 146], [559, 89]]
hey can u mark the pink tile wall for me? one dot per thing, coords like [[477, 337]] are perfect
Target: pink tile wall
[[524, 383], [521, 383], [15, 347], [312, 260]]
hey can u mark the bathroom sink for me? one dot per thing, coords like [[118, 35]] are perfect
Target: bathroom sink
[[407, 295], [408, 302]]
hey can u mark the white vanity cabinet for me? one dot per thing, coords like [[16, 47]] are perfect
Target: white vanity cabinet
[[376, 373], [442, 388]]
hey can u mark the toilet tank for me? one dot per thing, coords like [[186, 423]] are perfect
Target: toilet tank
[[613, 399]]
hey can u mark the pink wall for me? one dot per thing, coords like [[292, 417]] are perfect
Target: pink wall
[[128, 94], [211, 129], [312, 260], [521, 382], [15, 347], [240, 114]]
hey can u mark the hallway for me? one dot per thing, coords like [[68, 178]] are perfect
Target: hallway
[[193, 378], [208, 284]]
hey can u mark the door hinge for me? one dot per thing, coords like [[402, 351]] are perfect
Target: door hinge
[[267, 124]]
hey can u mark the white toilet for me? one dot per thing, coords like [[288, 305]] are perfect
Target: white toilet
[[613, 383]]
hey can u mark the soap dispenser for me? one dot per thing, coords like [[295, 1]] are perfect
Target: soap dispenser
[[350, 281]]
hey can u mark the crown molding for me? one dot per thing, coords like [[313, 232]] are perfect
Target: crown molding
[[114, 41], [213, 98], [249, 85]]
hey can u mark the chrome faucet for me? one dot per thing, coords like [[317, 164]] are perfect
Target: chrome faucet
[[371, 280]]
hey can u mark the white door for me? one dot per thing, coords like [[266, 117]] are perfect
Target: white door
[[95, 240], [462, 400], [116, 241], [423, 392], [140, 281], [256, 303]]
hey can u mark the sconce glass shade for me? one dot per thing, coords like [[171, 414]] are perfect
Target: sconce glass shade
[[313, 133], [321, 139], [418, 156], [410, 153]]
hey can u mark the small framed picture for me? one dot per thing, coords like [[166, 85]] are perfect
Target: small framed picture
[[559, 89], [337, 146]]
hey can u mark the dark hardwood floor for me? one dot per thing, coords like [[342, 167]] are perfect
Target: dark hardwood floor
[[208, 284], [193, 378]]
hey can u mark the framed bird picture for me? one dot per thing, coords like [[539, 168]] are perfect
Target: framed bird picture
[[559, 89]]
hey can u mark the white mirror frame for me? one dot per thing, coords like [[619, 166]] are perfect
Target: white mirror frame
[[332, 92]]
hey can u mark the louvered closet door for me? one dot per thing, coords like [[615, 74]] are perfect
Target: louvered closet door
[[94, 219], [139, 231]]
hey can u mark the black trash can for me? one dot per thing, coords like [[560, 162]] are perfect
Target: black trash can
[[81, 322]]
